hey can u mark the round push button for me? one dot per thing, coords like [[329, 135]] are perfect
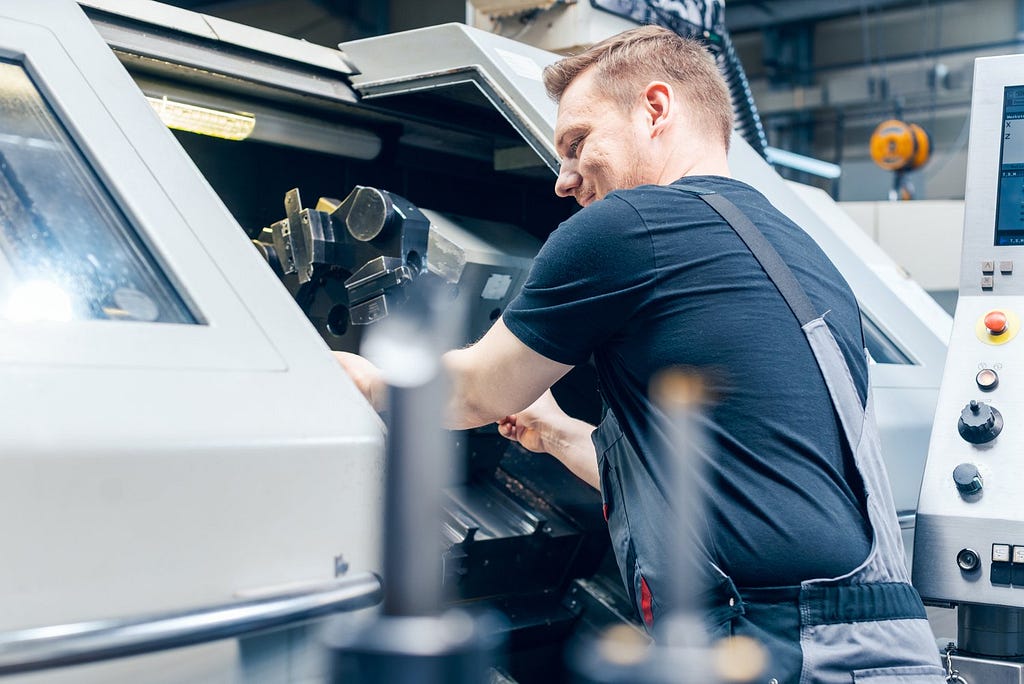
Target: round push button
[[995, 322], [968, 560], [997, 326], [987, 379]]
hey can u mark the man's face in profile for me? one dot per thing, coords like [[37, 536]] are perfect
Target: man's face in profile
[[601, 145]]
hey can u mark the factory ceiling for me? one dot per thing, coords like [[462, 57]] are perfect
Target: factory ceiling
[[323, 21]]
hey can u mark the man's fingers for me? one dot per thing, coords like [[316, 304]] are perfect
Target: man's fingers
[[509, 428], [365, 376]]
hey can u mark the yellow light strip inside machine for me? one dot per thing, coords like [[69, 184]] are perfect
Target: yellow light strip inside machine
[[202, 120]]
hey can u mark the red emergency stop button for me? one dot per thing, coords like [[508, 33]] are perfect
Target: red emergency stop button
[[995, 322], [997, 326]]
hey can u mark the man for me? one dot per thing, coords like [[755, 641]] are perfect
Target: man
[[799, 540]]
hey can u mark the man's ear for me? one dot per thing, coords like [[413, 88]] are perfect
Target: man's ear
[[659, 105]]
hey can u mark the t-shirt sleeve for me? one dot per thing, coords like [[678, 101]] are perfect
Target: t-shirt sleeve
[[592, 274]]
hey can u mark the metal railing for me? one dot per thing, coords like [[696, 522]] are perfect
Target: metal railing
[[42, 648]]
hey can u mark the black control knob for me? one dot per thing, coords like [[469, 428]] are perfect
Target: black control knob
[[968, 560], [979, 422], [967, 479]]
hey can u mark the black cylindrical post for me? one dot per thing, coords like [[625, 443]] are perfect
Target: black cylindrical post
[[413, 642]]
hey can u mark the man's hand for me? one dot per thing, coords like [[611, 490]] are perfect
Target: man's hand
[[367, 378], [543, 427], [534, 426]]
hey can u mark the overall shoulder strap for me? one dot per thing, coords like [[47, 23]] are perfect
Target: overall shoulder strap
[[778, 272], [830, 359]]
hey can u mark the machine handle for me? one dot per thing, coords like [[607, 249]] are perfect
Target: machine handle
[[43, 648]]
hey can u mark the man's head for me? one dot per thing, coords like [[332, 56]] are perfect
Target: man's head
[[644, 106]]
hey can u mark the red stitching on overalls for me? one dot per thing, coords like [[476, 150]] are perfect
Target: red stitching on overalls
[[646, 602]]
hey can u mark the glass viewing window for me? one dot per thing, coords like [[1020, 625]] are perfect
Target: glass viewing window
[[66, 251]]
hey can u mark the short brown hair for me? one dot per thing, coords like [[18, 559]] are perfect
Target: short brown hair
[[627, 62]]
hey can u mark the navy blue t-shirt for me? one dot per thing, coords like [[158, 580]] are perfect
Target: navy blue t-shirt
[[652, 277]]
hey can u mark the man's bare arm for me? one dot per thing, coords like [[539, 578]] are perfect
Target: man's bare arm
[[543, 427], [496, 377]]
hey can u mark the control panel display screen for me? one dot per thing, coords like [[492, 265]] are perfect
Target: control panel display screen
[[1010, 201]]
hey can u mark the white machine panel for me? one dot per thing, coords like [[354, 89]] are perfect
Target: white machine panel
[[970, 530]]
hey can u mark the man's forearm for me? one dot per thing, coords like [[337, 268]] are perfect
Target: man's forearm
[[571, 444], [497, 376]]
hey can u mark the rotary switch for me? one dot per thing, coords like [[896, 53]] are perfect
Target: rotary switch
[[979, 422], [967, 478]]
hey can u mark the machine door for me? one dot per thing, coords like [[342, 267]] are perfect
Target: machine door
[[459, 65]]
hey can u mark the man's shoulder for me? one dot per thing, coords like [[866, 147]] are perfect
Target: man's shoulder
[[616, 204], [609, 229], [609, 214], [686, 190], [644, 195]]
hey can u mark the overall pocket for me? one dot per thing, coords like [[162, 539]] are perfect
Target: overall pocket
[[915, 674], [881, 650]]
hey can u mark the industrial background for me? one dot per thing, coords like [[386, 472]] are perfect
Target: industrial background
[[823, 74]]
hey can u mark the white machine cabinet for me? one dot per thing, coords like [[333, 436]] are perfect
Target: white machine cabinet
[[174, 432]]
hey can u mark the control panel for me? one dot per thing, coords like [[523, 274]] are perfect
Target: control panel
[[969, 546]]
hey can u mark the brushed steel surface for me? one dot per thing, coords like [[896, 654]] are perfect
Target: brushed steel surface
[[986, 671]]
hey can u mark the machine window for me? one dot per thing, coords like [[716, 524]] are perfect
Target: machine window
[[66, 251], [1010, 204], [881, 348]]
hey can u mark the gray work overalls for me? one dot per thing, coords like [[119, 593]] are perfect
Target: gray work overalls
[[867, 626]]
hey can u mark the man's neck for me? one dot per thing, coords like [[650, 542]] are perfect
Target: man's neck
[[709, 167], [704, 165]]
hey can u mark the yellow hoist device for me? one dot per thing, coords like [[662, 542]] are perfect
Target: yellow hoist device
[[900, 147]]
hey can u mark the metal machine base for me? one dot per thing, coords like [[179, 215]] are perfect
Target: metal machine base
[[983, 671]]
